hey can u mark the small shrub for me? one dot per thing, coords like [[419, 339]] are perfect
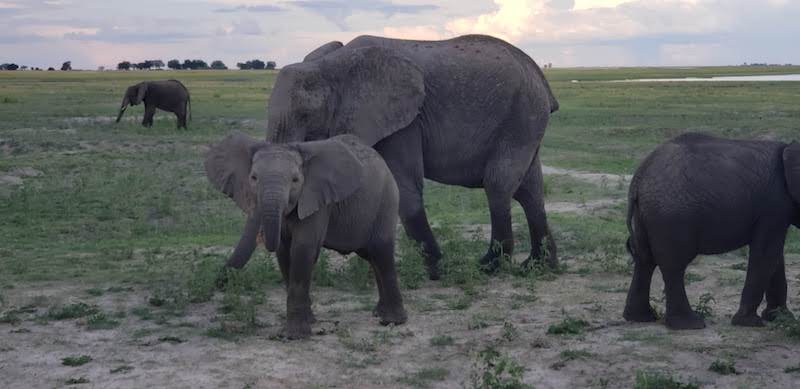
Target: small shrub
[[792, 369], [568, 326], [703, 307], [494, 370], [72, 311], [787, 323], [690, 278], [94, 292], [655, 380], [101, 321], [510, 333], [410, 264], [723, 367], [76, 361]]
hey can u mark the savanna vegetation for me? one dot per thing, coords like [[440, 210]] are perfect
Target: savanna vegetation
[[111, 240]]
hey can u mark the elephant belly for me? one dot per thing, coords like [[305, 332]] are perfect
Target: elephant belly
[[459, 159]]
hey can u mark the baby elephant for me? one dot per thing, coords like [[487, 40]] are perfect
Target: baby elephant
[[169, 95], [699, 194], [336, 193]]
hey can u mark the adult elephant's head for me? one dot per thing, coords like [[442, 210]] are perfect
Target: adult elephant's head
[[133, 96], [370, 92]]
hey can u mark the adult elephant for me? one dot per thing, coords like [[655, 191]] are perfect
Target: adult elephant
[[168, 95], [469, 111]]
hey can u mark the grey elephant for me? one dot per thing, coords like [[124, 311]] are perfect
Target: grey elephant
[[699, 194], [169, 95], [336, 193], [469, 111]]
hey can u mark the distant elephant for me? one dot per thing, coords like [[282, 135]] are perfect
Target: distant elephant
[[469, 111], [336, 193], [699, 194], [169, 95]]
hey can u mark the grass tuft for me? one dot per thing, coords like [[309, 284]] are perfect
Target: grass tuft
[[76, 361]]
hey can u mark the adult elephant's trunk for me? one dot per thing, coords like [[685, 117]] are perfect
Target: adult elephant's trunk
[[272, 218], [247, 243], [123, 107]]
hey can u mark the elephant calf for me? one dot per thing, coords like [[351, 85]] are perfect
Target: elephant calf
[[699, 194], [169, 95], [336, 193]]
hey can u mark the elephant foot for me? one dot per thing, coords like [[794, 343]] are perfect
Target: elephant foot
[[772, 313], [432, 266], [297, 330], [490, 263], [747, 320], [391, 315], [691, 321], [641, 315]]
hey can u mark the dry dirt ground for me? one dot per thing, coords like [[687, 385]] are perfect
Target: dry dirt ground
[[351, 349]]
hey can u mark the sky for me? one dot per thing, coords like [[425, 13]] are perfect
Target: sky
[[566, 33]]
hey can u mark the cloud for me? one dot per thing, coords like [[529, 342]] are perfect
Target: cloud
[[337, 11], [252, 8]]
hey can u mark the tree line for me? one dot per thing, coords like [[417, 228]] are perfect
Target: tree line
[[194, 64], [12, 66]]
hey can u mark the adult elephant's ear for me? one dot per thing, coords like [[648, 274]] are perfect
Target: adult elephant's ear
[[323, 50], [381, 92], [141, 93], [791, 169], [228, 168], [331, 174]]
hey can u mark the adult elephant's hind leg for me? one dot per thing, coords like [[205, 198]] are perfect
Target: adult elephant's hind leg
[[530, 196], [500, 183], [401, 154], [776, 293], [680, 315]]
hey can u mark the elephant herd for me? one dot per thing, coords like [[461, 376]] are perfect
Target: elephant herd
[[354, 130]]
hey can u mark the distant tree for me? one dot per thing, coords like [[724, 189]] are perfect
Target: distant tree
[[271, 65], [23, 67], [157, 63], [195, 64], [124, 65], [256, 64], [51, 69], [66, 66], [174, 64], [218, 65], [9, 66]]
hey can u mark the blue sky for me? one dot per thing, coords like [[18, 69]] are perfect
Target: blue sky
[[94, 33]]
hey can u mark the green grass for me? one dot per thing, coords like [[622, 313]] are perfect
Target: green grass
[[726, 367], [425, 377], [657, 380], [76, 361], [568, 326]]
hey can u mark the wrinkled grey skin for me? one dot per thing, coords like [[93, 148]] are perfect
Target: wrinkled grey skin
[[169, 95], [336, 193], [469, 111], [698, 194]]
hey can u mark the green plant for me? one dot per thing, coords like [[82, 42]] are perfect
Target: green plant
[[72, 311], [568, 326], [656, 380], [703, 307], [510, 333], [723, 367], [410, 264], [788, 324], [494, 370], [423, 378], [792, 369], [76, 361], [101, 321]]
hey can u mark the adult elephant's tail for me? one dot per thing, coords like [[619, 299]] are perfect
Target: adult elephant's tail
[[638, 244], [188, 99]]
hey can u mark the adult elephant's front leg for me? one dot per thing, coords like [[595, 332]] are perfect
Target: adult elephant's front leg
[[776, 293], [149, 112]]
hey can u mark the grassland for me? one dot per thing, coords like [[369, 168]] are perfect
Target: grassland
[[110, 246]]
